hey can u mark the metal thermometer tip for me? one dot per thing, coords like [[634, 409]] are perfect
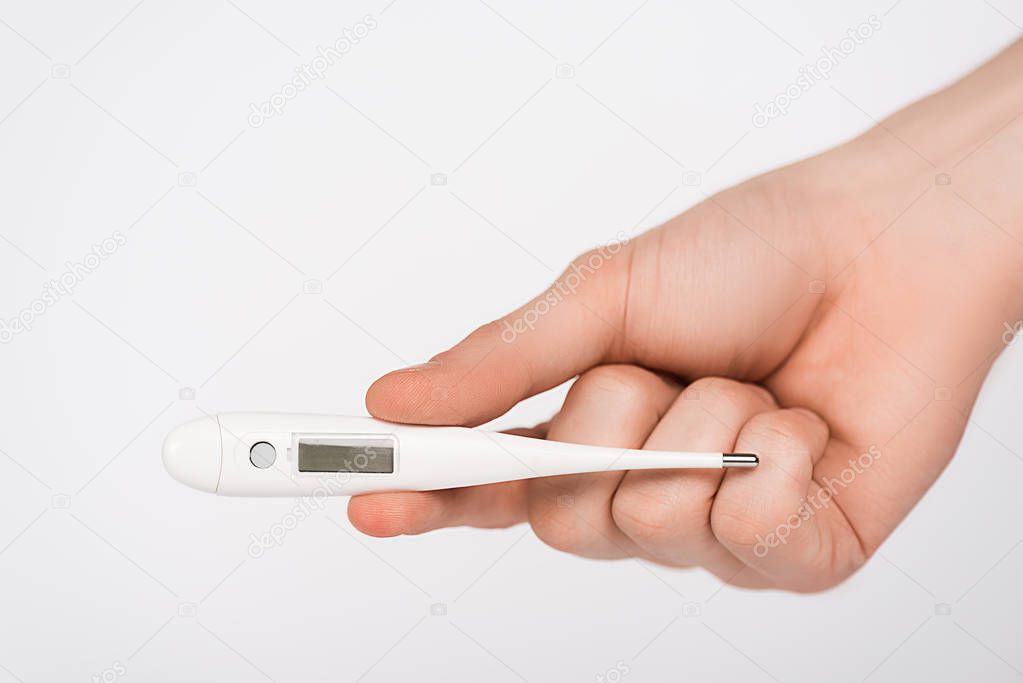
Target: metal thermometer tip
[[739, 460]]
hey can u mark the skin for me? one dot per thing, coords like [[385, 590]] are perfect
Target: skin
[[838, 315]]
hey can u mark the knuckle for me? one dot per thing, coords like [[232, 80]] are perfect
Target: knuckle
[[483, 334], [778, 429], [728, 399], [596, 270], [630, 387], [719, 394], [784, 436], [649, 518], [484, 331], [621, 379], [592, 261], [736, 530], [559, 528], [715, 386]]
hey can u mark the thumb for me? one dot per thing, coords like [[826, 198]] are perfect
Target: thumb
[[570, 327], [704, 295]]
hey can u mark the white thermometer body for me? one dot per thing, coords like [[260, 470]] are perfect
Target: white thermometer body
[[269, 454]]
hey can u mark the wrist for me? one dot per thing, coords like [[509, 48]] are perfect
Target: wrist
[[956, 155], [948, 127]]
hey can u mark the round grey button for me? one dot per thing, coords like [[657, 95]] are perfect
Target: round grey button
[[262, 454]]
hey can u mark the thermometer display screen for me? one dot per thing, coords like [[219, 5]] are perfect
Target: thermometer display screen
[[367, 456]]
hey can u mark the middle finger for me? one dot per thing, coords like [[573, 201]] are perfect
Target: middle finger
[[610, 405]]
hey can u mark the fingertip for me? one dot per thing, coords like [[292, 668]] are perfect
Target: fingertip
[[374, 517], [385, 515], [441, 394], [401, 396]]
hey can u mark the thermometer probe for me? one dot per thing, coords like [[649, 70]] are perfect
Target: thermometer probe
[[268, 454]]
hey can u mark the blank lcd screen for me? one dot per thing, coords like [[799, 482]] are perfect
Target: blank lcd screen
[[371, 456]]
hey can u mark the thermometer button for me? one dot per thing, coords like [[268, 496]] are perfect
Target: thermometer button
[[262, 454]]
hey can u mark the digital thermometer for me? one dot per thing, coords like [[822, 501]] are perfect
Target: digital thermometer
[[266, 454]]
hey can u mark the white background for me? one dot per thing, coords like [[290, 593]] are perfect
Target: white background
[[130, 117]]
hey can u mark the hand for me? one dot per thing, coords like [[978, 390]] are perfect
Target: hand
[[836, 317]]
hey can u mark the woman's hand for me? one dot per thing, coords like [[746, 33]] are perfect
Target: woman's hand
[[836, 317]]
